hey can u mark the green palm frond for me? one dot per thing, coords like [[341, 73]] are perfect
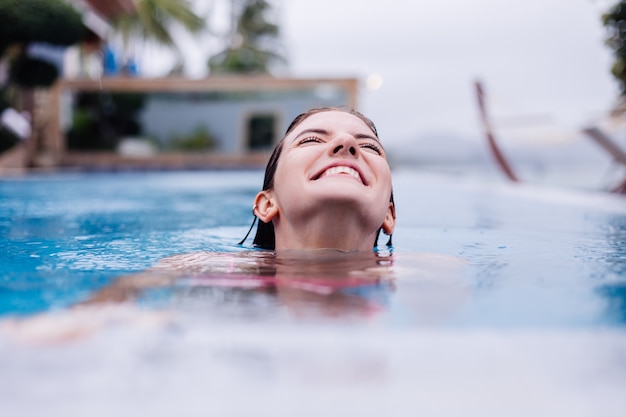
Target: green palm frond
[[154, 19], [152, 22], [252, 21], [615, 22], [255, 44], [176, 11]]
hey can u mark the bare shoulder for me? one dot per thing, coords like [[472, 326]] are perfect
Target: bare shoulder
[[211, 262]]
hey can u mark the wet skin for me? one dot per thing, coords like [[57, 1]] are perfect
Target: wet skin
[[332, 186]]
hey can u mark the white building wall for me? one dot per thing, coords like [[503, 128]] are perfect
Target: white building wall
[[169, 115]]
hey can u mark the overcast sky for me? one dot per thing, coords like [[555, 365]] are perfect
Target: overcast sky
[[542, 59]]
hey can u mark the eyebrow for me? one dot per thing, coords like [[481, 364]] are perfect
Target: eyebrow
[[326, 132]]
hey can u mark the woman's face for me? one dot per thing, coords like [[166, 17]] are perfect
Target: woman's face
[[333, 158]]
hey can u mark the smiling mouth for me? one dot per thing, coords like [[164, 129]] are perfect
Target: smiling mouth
[[342, 170]]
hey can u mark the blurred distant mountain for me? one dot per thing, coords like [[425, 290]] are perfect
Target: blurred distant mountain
[[443, 148], [436, 148], [567, 160]]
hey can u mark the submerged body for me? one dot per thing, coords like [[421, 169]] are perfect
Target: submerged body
[[351, 282], [308, 285]]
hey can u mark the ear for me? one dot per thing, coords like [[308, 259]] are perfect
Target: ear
[[265, 207], [390, 219]]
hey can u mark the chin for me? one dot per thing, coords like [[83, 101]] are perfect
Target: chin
[[355, 199], [341, 187]]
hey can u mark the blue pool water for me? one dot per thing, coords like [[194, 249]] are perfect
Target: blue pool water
[[561, 252], [66, 235], [534, 324]]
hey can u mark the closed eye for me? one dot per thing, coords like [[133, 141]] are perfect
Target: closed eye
[[310, 139], [372, 147]]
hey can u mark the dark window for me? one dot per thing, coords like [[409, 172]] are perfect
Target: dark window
[[261, 131]]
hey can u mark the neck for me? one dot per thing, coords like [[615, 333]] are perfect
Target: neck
[[339, 229]]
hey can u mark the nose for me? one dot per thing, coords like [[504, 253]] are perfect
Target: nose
[[343, 145]]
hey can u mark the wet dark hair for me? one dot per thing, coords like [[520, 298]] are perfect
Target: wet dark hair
[[265, 237]]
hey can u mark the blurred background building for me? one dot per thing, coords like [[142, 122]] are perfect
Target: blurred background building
[[97, 109]]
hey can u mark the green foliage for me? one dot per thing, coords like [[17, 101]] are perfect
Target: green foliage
[[242, 60], [154, 20], [26, 21], [252, 49], [30, 72], [84, 133], [4, 100], [253, 25], [7, 138], [50, 21], [198, 140], [615, 21], [100, 120]]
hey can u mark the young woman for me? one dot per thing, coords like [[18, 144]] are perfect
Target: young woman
[[327, 185]]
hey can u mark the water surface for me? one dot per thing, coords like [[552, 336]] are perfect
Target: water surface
[[499, 299]]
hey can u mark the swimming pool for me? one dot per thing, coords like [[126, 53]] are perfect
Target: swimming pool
[[536, 324]]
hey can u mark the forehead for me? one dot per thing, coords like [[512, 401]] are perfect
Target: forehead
[[333, 121]]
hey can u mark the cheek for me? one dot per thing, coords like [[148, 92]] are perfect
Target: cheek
[[384, 175], [293, 166], [287, 179], [386, 186]]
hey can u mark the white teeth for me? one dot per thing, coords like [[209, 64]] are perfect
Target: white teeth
[[342, 170]]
